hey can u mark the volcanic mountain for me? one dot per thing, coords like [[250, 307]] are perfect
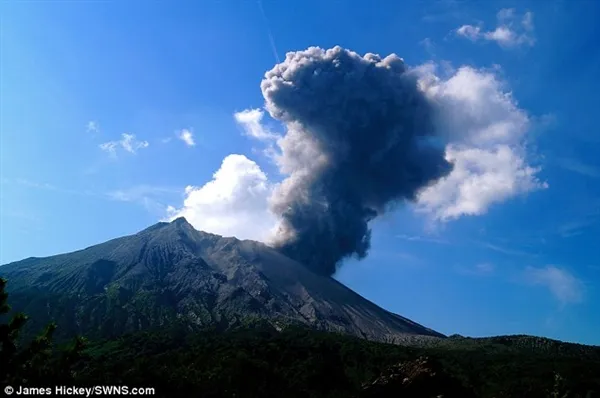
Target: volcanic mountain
[[171, 274]]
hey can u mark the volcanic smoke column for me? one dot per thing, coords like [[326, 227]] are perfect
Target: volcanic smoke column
[[360, 138]]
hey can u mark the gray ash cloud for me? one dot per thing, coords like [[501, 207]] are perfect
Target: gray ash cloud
[[360, 139]]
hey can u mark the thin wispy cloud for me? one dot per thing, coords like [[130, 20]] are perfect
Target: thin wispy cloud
[[37, 185], [47, 187], [398, 258], [135, 193], [484, 268], [564, 286], [480, 269], [419, 238], [577, 166], [110, 147], [408, 259], [253, 126], [576, 227], [93, 127], [511, 31], [128, 143], [187, 137], [444, 10], [505, 250], [28, 217], [428, 45], [588, 215], [152, 198]]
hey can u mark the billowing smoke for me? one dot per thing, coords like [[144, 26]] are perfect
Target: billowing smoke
[[360, 138]]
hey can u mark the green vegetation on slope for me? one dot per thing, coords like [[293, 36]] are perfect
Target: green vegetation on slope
[[258, 361], [297, 362]]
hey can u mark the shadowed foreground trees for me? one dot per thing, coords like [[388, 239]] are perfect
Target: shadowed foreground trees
[[34, 362], [257, 360]]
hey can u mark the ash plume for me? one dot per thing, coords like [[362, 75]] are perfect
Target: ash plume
[[360, 139]]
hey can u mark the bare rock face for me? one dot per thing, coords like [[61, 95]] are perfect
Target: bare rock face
[[421, 378], [171, 274]]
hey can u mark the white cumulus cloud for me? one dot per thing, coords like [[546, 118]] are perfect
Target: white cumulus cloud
[[469, 31], [233, 203], [486, 132], [128, 143], [510, 31], [563, 285], [251, 122], [187, 137]]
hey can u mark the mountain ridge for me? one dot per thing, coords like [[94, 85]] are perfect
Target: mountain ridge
[[170, 273]]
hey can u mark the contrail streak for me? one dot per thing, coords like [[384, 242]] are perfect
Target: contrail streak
[[273, 48]]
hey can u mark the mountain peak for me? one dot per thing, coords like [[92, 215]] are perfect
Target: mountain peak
[[179, 224], [180, 221]]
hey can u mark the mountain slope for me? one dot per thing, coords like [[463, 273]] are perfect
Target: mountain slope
[[172, 274]]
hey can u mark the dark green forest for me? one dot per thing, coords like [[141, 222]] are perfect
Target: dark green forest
[[258, 361]]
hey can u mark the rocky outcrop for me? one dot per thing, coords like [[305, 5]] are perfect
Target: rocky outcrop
[[421, 378]]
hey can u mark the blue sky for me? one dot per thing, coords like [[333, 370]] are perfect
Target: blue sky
[[109, 110]]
